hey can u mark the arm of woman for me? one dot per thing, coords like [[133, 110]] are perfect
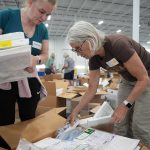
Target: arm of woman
[[44, 51], [89, 94], [136, 68], [43, 57]]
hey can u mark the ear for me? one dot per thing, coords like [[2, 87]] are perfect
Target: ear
[[91, 43]]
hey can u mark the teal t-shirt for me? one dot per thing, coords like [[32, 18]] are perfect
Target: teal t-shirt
[[10, 21], [49, 62]]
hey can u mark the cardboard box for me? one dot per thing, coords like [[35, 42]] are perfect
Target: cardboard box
[[47, 78], [95, 107], [51, 87], [99, 92], [61, 84], [86, 110], [50, 101], [83, 80], [114, 83], [52, 77], [98, 99], [79, 89], [33, 130], [143, 147], [42, 109], [65, 99], [57, 76]]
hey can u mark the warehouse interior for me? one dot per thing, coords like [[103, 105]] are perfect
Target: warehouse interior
[[99, 99]]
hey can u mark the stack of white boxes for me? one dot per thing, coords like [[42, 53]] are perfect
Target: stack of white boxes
[[15, 55]]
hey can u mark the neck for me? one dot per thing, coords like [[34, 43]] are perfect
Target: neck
[[100, 52], [25, 18]]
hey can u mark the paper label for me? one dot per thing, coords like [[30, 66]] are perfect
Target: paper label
[[4, 44], [36, 45], [113, 62]]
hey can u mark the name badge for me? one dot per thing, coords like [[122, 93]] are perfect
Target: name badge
[[36, 45], [113, 62]]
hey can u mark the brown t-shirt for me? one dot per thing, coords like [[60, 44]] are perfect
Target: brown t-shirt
[[118, 50]]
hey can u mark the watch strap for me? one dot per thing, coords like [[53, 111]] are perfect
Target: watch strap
[[127, 103]]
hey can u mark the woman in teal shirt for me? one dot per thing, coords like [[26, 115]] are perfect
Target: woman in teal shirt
[[28, 20], [49, 66]]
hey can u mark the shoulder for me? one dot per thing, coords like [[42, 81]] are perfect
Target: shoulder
[[6, 15], [43, 31], [9, 11], [118, 39], [122, 47], [42, 27]]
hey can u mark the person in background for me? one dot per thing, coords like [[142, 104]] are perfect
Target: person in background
[[50, 67], [30, 21], [124, 55], [68, 67]]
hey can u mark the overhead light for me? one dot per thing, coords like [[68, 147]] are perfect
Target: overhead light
[[100, 22], [118, 31], [49, 17], [148, 42], [46, 25]]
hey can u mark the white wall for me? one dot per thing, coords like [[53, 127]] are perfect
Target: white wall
[[147, 47], [59, 46]]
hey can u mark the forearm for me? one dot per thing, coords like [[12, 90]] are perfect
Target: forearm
[[139, 87], [65, 66], [44, 51], [41, 59], [88, 96]]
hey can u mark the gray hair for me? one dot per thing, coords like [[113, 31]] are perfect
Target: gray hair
[[82, 31], [52, 55], [66, 55]]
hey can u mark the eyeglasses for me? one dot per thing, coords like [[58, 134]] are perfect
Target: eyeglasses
[[78, 49]]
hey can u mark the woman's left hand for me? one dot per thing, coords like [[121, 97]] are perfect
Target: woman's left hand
[[29, 69], [119, 114]]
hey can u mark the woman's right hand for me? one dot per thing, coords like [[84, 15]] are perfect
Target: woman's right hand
[[30, 69]]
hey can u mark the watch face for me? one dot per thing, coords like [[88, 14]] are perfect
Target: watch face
[[129, 105]]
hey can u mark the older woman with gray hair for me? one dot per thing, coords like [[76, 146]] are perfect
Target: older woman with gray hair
[[68, 67], [131, 117]]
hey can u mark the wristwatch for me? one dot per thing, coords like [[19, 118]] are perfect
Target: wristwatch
[[39, 60], [127, 104]]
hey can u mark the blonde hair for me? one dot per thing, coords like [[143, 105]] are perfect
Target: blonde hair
[[53, 2], [82, 31]]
